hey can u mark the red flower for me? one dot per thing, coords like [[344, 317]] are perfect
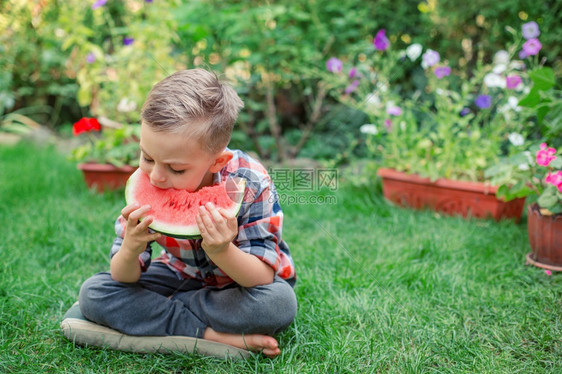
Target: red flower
[[85, 125]]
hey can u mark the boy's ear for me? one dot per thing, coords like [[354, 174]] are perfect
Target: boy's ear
[[221, 160]]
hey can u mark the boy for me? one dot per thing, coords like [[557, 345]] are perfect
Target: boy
[[235, 285]]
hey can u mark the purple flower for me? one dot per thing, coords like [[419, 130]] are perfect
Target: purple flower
[[522, 54], [334, 65], [532, 47], [128, 41], [464, 112], [98, 4], [530, 30], [147, 1], [352, 87], [353, 73], [394, 110], [442, 71], [512, 81], [91, 58], [483, 101], [430, 58], [381, 41]]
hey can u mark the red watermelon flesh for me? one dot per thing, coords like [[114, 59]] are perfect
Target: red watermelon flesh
[[174, 211]]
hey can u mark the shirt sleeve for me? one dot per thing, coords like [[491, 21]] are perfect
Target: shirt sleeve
[[260, 221], [120, 227]]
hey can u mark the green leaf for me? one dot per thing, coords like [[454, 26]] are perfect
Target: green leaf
[[503, 192], [532, 99], [543, 78], [542, 111], [548, 199], [84, 95], [556, 163]]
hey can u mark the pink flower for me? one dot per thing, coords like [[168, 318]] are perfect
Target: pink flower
[[334, 65], [381, 42], [98, 4], [394, 110], [555, 179], [532, 47], [545, 155], [352, 87], [548, 272], [512, 81], [388, 124]]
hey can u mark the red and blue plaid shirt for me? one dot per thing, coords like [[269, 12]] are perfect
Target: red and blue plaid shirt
[[260, 221]]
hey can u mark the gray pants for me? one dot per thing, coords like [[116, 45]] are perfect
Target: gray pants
[[160, 304]]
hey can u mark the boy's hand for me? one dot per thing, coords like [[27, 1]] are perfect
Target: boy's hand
[[218, 228], [136, 234]]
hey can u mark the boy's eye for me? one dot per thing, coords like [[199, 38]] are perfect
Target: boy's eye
[[177, 171], [146, 159]]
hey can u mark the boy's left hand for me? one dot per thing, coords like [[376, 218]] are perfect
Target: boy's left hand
[[218, 228]]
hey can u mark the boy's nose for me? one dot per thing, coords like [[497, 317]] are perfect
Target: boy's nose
[[157, 176]]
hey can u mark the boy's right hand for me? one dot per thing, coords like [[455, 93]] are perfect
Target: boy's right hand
[[136, 233]]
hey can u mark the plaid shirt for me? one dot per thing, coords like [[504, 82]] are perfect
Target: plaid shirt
[[260, 220]]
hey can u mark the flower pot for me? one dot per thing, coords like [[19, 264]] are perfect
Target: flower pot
[[452, 197], [545, 237], [104, 177]]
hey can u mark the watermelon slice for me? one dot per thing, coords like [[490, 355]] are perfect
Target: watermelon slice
[[174, 211]]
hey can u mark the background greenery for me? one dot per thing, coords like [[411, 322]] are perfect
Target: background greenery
[[380, 288], [275, 52]]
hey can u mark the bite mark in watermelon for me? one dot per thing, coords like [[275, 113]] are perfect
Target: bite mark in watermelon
[[174, 211]]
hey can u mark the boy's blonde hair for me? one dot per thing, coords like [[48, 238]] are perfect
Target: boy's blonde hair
[[194, 102]]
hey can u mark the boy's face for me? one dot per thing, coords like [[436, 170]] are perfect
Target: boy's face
[[172, 160]]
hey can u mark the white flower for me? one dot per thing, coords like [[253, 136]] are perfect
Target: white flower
[[501, 57], [516, 139], [430, 58], [382, 87], [126, 105], [414, 51], [372, 99], [500, 68], [494, 80], [513, 103], [523, 167], [369, 128], [517, 65]]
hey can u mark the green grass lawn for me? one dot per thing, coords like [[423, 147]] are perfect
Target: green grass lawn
[[381, 289]]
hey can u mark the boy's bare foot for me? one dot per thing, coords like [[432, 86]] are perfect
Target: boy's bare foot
[[253, 342]]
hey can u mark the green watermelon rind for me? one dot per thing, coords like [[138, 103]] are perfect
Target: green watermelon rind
[[177, 231]]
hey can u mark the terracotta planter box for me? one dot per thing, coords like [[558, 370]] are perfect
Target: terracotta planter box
[[104, 177], [468, 199], [545, 237]]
